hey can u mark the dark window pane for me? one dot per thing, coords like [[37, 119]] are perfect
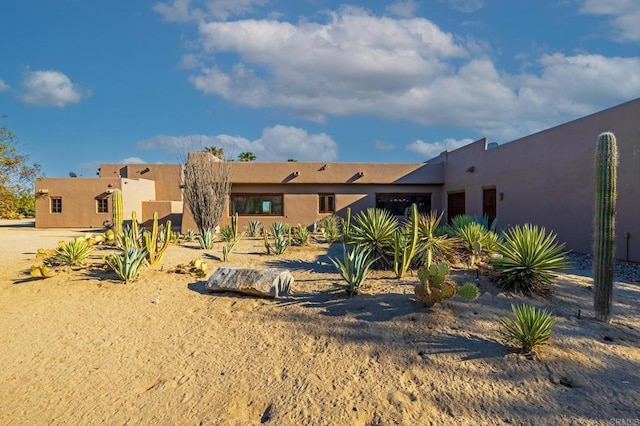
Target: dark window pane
[[399, 204], [250, 205]]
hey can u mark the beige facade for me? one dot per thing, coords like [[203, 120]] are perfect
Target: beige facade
[[546, 178]]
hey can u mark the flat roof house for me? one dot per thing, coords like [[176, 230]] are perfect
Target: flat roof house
[[547, 178]]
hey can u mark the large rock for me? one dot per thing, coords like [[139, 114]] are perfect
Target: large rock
[[271, 282]]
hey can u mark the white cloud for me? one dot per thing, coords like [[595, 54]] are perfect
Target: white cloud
[[383, 146], [186, 10], [624, 16], [50, 88], [403, 9], [277, 143], [4, 86], [429, 150], [133, 160], [359, 64], [467, 6]]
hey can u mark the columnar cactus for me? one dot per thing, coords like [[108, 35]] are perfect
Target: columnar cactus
[[116, 198], [604, 234], [150, 241]]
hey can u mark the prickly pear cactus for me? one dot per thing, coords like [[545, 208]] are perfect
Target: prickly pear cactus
[[434, 287]]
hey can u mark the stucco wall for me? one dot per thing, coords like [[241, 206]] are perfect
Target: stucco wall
[[548, 178], [166, 176], [79, 206]]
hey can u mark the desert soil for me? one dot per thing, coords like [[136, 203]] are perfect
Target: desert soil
[[82, 348]]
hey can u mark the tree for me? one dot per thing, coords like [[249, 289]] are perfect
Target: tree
[[215, 151], [292, 160], [206, 188], [246, 156], [16, 178]]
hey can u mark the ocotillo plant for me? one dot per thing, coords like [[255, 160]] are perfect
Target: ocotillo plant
[[116, 201], [604, 232]]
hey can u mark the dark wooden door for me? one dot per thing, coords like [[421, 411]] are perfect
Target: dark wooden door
[[455, 205], [489, 204]]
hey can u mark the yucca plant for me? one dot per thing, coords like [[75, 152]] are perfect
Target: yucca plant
[[206, 239], [477, 239], [353, 268], [530, 329], [253, 227], [70, 253], [529, 258], [127, 265], [374, 229], [433, 245]]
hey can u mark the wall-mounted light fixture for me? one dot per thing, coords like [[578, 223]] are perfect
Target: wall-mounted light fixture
[[43, 191], [502, 196], [471, 169]]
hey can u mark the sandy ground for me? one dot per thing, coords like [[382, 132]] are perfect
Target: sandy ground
[[81, 348]]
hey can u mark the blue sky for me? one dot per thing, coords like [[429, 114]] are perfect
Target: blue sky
[[85, 82]]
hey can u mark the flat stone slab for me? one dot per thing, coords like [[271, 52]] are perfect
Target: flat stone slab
[[272, 282]]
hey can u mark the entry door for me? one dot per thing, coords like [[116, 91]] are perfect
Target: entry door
[[455, 204], [489, 204]]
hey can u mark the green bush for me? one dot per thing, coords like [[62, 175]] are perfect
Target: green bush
[[530, 329], [353, 268], [529, 258]]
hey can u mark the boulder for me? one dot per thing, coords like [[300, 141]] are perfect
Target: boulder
[[273, 282]]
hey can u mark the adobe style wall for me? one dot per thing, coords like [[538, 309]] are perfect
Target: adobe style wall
[[167, 177], [548, 178]]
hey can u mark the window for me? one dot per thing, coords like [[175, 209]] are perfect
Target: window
[[260, 204], [399, 204], [103, 205], [56, 204], [327, 203]]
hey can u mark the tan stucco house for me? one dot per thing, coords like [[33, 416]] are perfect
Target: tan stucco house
[[546, 178]]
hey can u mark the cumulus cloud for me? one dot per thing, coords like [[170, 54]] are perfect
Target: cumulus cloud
[[624, 16], [403, 9], [50, 88], [186, 10], [429, 150], [133, 160], [354, 63], [277, 143], [4, 86]]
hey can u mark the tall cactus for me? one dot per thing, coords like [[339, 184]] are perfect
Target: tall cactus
[[606, 162], [116, 200], [150, 241]]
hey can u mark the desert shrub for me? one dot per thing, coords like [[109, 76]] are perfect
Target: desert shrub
[[281, 238], [530, 329], [206, 239], [330, 228], [300, 235], [374, 229], [353, 268], [226, 233], [253, 227], [127, 265], [190, 235], [529, 256], [433, 246], [70, 253]]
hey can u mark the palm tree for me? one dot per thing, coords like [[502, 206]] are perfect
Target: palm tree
[[246, 156], [215, 151]]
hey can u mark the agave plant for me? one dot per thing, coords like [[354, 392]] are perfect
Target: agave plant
[[70, 253], [474, 235], [529, 258], [127, 265], [530, 329], [253, 227], [190, 235], [300, 235], [353, 268], [374, 229], [330, 229], [206, 239], [226, 233]]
